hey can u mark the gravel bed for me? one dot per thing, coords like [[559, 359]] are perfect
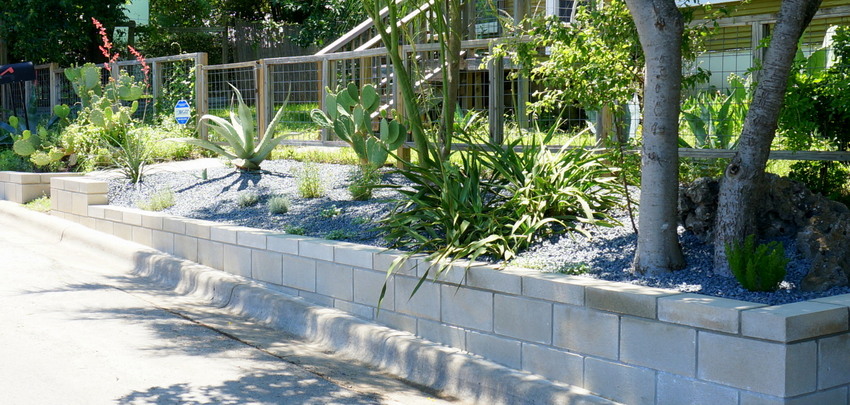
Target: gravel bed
[[607, 254]]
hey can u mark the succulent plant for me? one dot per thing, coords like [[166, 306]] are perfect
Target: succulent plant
[[349, 114], [247, 152]]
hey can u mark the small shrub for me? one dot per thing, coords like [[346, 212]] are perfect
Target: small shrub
[[365, 179], [132, 153], [247, 199], [338, 234], [361, 220], [11, 161], [40, 204], [294, 230], [827, 178], [330, 212], [158, 201], [279, 205], [757, 268], [309, 182]]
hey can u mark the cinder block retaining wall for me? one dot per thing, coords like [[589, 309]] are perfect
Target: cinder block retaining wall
[[632, 344], [22, 187]]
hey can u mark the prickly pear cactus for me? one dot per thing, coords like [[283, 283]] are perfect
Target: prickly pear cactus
[[349, 114]]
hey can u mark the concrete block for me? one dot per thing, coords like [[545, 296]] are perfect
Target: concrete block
[[843, 300], [140, 235], [361, 311], [384, 259], [316, 249], [252, 238], [488, 278], [837, 396], [467, 308], [620, 382], [152, 220], [396, 321], [80, 204], [133, 218], [113, 213], [96, 211], [523, 318], [24, 178], [367, 289], [553, 364], [720, 314], [106, 227], [123, 231], [55, 196], [755, 365], [283, 243], [833, 361], [198, 229], [425, 303], [174, 224], [186, 247], [96, 199], [224, 234], [625, 298], [586, 331], [91, 186], [335, 280], [673, 389], [441, 333], [237, 260], [266, 266], [555, 287], [317, 299], [86, 221], [163, 241], [299, 273], [507, 352], [355, 255], [31, 192], [210, 253], [658, 345], [791, 322]]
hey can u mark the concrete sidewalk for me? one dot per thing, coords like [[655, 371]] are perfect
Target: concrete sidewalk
[[274, 327]]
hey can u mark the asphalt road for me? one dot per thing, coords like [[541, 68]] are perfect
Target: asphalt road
[[76, 328]]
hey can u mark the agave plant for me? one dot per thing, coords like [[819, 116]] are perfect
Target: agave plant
[[246, 152]]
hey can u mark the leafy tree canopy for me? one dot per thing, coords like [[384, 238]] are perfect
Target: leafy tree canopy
[[59, 31]]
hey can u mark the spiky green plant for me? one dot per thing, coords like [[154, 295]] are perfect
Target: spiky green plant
[[757, 268], [246, 152]]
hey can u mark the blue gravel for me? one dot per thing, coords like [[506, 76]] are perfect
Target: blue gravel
[[607, 254]]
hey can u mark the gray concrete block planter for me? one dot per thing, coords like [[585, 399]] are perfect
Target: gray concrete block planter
[[632, 344]]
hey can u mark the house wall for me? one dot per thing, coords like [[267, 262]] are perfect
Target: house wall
[[632, 344]]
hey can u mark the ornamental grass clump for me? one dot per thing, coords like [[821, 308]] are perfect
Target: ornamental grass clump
[[757, 268], [279, 205], [309, 182]]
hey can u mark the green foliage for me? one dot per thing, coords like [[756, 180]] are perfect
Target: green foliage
[[309, 182], [131, 153], [364, 181], [826, 178], [340, 156], [495, 201], [40, 204], [340, 234], [350, 114], [39, 143], [56, 31], [247, 199], [330, 212], [246, 152], [158, 201], [13, 162], [757, 268], [294, 230], [715, 119], [279, 205], [817, 104]]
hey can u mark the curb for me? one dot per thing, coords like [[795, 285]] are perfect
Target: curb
[[399, 353]]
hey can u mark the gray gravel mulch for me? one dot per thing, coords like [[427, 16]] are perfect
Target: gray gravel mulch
[[606, 255]]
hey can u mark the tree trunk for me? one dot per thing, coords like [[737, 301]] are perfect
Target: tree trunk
[[742, 185], [660, 26]]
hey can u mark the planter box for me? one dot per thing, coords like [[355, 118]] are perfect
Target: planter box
[[632, 344], [23, 187]]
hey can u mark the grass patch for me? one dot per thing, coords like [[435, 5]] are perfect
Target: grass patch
[[40, 204], [158, 201], [279, 205], [294, 230], [310, 182], [338, 234]]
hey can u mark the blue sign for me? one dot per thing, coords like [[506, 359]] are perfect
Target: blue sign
[[182, 112]]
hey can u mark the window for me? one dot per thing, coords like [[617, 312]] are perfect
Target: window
[[564, 9]]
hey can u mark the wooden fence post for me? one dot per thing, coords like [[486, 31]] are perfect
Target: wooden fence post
[[496, 103], [324, 83], [53, 82], [260, 81]]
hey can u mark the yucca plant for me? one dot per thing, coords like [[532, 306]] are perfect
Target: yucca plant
[[246, 152]]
